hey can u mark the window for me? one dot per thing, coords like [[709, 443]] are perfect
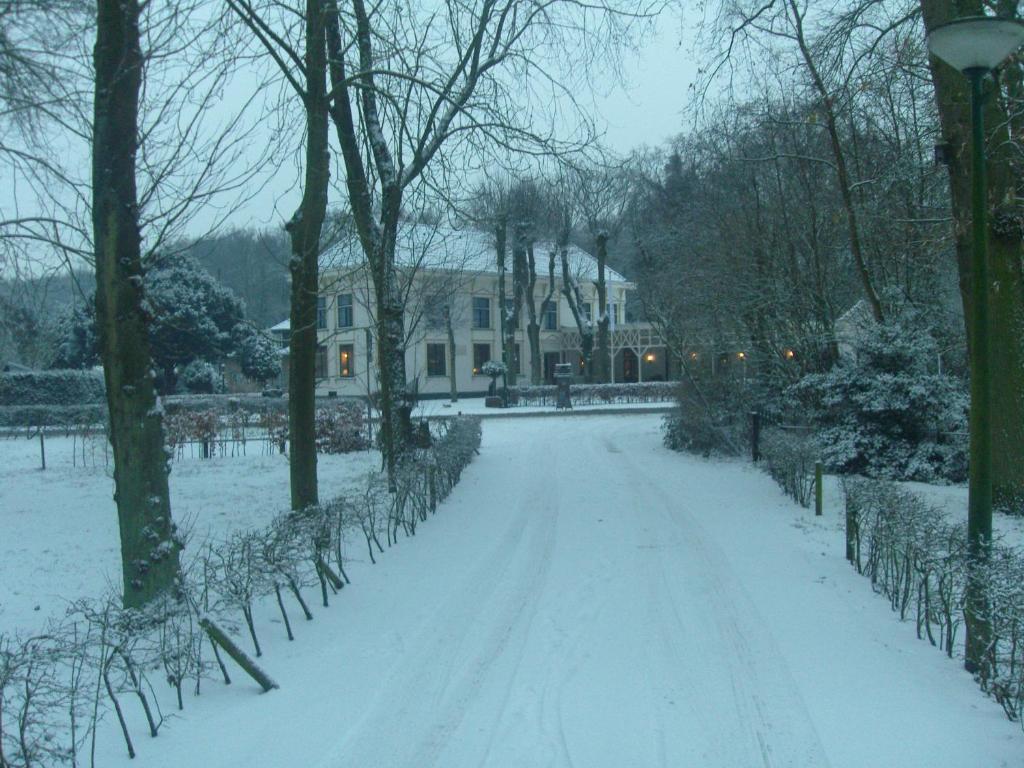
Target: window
[[321, 362], [437, 360], [481, 312], [613, 314], [321, 313], [551, 316], [517, 363], [346, 361], [587, 312], [345, 310], [435, 312], [481, 354], [510, 308]]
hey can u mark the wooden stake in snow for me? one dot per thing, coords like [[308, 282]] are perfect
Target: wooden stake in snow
[[220, 637]]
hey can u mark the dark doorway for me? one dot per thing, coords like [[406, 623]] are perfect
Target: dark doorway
[[630, 366], [551, 359]]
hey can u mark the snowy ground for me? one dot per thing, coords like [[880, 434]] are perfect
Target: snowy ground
[[587, 598], [474, 406], [58, 527]]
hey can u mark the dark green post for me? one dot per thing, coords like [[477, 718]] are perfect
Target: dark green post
[[817, 489], [979, 499]]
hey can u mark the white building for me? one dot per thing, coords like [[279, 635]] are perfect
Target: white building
[[455, 271]]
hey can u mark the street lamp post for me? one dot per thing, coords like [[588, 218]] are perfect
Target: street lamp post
[[976, 45]]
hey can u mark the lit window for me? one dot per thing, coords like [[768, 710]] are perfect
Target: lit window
[[481, 355], [346, 360]]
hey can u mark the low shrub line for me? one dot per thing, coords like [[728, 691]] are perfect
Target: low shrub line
[[595, 394], [919, 561], [100, 659]]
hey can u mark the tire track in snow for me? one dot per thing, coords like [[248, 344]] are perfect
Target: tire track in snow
[[485, 619], [768, 705]]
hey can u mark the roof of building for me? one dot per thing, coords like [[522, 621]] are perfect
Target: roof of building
[[445, 248]]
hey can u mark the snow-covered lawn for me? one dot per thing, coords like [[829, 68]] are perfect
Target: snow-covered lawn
[[58, 527], [584, 598]]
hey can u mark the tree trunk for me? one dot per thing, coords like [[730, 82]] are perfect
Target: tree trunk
[[149, 544], [304, 230], [452, 374], [1006, 282], [574, 298], [508, 322], [533, 337], [396, 424], [603, 362]]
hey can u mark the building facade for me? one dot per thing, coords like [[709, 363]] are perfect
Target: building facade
[[450, 283]]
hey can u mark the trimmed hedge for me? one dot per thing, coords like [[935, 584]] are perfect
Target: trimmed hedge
[[66, 387], [789, 458]]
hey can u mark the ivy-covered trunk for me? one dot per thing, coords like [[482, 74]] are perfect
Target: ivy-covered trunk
[[453, 380], [1005, 293], [304, 230], [509, 320], [149, 544], [396, 423], [602, 364]]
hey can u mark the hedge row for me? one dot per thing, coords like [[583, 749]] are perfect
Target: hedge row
[[54, 388], [595, 394], [918, 560], [100, 660], [789, 457]]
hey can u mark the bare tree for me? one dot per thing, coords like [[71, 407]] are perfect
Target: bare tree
[[423, 91], [305, 70]]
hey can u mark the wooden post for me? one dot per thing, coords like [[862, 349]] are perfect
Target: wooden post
[[851, 531], [42, 447], [755, 436], [218, 636], [817, 489]]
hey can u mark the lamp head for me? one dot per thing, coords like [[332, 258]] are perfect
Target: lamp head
[[976, 42]]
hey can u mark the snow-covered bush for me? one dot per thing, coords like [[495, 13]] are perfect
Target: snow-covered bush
[[711, 418], [789, 458], [258, 354], [885, 413], [493, 368], [200, 377], [341, 429]]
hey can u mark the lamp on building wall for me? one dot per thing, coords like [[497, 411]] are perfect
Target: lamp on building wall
[[976, 45]]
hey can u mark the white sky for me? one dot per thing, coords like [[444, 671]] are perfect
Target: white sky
[[646, 109]]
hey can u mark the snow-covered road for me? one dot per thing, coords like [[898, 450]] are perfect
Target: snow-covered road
[[588, 599]]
